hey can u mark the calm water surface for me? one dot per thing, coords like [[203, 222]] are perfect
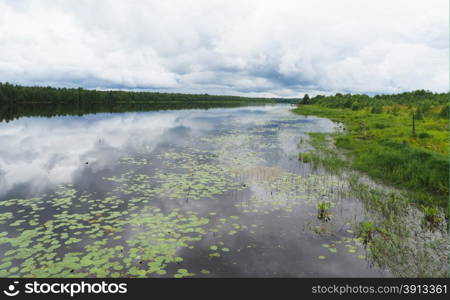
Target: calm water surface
[[216, 192]]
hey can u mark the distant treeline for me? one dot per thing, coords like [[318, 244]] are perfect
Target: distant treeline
[[19, 101], [14, 94], [420, 99]]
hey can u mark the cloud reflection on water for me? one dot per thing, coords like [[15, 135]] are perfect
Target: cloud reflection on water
[[42, 152]]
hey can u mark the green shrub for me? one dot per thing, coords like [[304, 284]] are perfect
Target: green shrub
[[444, 113], [376, 110], [355, 106], [381, 125], [395, 110], [305, 157], [418, 114], [424, 135]]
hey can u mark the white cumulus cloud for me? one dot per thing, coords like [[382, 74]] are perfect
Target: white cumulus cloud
[[246, 47]]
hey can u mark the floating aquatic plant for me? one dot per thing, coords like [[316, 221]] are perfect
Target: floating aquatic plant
[[144, 224], [323, 211]]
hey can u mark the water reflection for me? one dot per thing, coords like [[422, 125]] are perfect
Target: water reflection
[[43, 152], [179, 193]]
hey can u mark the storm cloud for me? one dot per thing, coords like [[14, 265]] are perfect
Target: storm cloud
[[267, 48]]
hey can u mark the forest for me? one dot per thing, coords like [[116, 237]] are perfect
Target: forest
[[15, 94], [421, 101], [20, 101]]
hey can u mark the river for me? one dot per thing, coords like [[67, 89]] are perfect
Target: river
[[194, 192]]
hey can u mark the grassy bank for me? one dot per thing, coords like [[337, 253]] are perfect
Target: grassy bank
[[382, 143]]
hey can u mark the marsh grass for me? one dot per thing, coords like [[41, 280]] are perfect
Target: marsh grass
[[391, 228], [431, 217], [305, 157], [393, 235], [380, 145], [366, 231], [326, 155], [323, 211]]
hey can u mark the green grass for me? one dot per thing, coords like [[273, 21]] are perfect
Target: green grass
[[431, 216], [323, 209], [326, 156], [432, 132], [305, 157], [389, 236], [366, 230], [382, 145]]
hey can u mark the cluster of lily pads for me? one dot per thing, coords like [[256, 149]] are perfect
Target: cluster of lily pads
[[132, 160], [102, 241], [73, 233], [350, 244]]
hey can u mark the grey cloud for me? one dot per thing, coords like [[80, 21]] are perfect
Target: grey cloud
[[271, 48]]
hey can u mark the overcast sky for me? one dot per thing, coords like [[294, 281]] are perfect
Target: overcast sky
[[267, 48]]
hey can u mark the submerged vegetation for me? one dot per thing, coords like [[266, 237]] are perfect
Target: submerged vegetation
[[394, 236]]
